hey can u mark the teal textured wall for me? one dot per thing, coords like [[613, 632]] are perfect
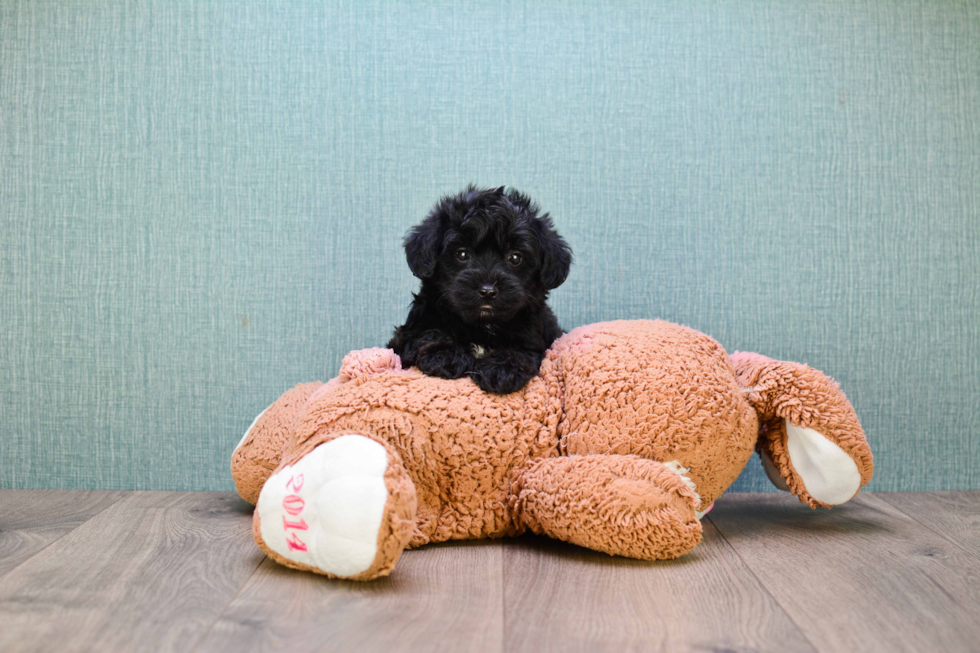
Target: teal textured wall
[[202, 203]]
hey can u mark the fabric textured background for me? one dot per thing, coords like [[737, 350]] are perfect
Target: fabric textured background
[[202, 203]]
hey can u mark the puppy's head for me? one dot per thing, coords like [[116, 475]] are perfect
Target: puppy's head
[[488, 254]]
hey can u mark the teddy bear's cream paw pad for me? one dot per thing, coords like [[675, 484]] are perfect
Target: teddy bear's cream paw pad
[[326, 510], [828, 473], [676, 467]]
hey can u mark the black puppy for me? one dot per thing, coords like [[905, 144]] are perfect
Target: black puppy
[[487, 261]]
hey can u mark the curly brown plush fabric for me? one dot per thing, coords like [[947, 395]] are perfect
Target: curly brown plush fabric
[[260, 451], [623, 505], [629, 429], [658, 391]]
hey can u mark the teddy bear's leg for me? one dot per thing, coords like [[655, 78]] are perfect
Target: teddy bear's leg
[[345, 509], [621, 504], [260, 449], [810, 440]]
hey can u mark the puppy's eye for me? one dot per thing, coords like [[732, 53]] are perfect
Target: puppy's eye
[[514, 259], [462, 255]]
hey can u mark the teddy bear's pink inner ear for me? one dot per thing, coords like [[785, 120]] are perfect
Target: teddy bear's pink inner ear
[[829, 474]]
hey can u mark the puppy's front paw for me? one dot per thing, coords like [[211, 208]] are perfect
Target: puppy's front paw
[[445, 363], [500, 379]]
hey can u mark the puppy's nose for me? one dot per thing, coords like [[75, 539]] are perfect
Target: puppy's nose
[[488, 292]]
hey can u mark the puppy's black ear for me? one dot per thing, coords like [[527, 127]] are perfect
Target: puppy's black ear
[[422, 247], [556, 255]]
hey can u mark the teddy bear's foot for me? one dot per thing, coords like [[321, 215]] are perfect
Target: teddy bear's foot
[[346, 509]]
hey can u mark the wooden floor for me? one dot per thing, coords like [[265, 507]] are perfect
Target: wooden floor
[[172, 571]]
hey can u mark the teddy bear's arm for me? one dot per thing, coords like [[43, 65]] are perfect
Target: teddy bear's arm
[[620, 504], [810, 440]]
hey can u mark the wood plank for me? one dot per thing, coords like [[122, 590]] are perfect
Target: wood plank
[[559, 597], [445, 597], [32, 519], [150, 572], [863, 576], [954, 515]]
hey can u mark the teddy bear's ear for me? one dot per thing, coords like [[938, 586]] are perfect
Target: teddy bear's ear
[[556, 255], [812, 443], [809, 464], [422, 246]]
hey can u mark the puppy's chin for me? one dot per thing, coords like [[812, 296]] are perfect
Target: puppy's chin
[[488, 316], [485, 316]]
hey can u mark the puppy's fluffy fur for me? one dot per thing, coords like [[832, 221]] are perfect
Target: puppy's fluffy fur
[[487, 261]]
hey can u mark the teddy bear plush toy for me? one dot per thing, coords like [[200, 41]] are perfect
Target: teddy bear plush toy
[[626, 437]]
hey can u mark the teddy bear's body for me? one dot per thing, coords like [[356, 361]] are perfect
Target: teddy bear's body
[[629, 430]]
